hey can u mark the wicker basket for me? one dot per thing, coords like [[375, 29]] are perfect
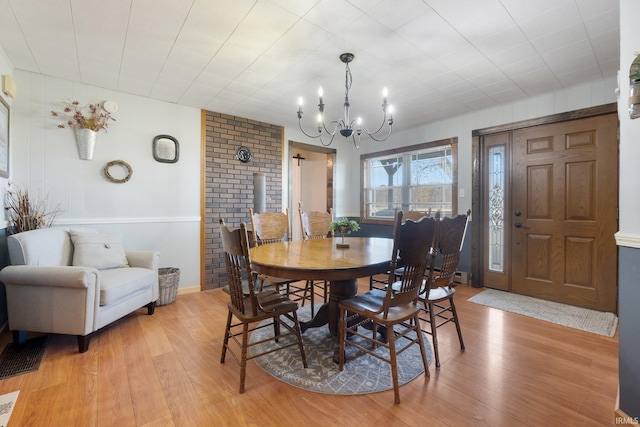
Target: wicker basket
[[168, 281]]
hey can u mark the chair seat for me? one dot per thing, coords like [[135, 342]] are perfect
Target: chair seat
[[439, 294], [435, 294], [372, 301], [272, 300], [245, 287], [272, 280], [271, 304]]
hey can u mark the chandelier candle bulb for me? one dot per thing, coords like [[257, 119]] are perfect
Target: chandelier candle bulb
[[320, 93], [384, 95]]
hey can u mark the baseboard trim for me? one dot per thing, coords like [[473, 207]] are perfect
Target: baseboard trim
[[188, 290]]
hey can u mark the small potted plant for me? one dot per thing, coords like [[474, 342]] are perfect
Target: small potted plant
[[342, 227]]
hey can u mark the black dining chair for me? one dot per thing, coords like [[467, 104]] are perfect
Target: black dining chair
[[438, 307], [381, 283], [393, 311], [249, 310]]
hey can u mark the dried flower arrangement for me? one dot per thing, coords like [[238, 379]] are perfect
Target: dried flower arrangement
[[91, 116], [26, 213]]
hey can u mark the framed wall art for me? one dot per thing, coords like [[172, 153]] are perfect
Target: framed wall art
[[4, 138]]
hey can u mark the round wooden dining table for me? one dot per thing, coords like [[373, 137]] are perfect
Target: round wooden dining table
[[320, 259]]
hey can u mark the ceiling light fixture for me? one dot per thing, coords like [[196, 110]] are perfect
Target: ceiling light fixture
[[346, 126]]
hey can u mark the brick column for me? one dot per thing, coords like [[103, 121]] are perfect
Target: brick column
[[229, 183]]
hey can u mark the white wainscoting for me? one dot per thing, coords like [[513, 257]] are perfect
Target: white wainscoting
[[176, 238]]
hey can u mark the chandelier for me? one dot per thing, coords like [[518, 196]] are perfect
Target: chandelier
[[346, 126]]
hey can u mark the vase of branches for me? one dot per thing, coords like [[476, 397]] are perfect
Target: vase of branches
[[25, 212]]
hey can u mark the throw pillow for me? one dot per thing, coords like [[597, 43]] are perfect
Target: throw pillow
[[98, 250]]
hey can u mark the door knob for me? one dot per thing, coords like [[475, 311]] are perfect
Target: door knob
[[519, 225]]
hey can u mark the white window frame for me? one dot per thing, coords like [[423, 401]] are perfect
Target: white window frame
[[447, 207]]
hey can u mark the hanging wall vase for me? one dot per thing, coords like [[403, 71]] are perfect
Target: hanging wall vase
[[86, 142]]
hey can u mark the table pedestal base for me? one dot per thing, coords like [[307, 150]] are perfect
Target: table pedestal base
[[329, 313]]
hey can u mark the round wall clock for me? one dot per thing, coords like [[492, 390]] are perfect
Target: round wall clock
[[244, 154]]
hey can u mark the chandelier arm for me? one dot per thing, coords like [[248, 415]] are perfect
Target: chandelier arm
[[306, 134], [330, 141], [338, 124], [372, 135], [384, 120], [356, 142]]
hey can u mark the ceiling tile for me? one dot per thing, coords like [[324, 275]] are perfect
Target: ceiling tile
[[551, 20], [257, 57]]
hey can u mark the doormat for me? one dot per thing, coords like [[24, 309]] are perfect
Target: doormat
[[597, 322], [19, 359], [7, 403]]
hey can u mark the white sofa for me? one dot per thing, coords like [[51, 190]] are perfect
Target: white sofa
[[75, 282]]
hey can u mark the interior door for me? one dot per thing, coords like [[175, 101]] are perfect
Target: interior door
[[311, 179], [564, 212]]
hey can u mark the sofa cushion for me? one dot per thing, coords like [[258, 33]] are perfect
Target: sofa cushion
[[97, 250], [116, 283], [43, 246]]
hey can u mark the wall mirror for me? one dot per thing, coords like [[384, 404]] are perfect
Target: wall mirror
[[166, 149]]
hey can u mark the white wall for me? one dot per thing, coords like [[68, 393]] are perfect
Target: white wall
[[629, 129], [628, 237], [348, 157], [158, 208]]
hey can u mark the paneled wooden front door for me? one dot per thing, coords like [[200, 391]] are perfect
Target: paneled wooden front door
[[563, 214]]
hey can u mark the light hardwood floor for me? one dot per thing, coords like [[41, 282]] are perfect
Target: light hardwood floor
[[164, 370]]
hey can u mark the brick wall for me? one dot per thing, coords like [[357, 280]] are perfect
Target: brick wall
[[229, 183]]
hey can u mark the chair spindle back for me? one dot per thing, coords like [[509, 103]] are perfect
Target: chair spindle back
[[235, 244], [270, 227], [315, 224], [413, 243], [450, 240]]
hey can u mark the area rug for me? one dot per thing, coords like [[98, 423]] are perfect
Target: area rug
[[597, 322], [7, 403], [362, 373], [20, 359]]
